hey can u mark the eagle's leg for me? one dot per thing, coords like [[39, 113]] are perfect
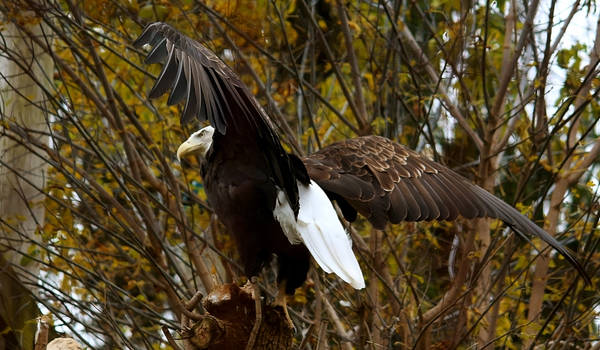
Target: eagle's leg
[[281, 300], [258, 309]]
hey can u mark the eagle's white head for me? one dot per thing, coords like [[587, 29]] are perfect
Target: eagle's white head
[[198, 143]]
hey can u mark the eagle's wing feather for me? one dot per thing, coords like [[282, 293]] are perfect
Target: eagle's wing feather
[[387, 182], [193, 72]]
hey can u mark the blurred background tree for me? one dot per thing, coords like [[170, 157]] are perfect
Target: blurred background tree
[[122, 235]]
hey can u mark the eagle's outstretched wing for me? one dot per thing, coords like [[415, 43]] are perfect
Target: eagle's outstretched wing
[[387, 182]]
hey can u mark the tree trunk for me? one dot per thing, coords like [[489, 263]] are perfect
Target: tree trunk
[[24, 68], [229, 320]]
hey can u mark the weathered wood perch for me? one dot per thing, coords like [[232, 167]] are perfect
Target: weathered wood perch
[[229, 320]]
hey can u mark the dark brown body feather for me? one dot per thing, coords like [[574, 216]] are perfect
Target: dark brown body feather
[[243, 195], [246, 166]]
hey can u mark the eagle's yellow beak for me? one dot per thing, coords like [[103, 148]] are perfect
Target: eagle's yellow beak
[[189, 147]]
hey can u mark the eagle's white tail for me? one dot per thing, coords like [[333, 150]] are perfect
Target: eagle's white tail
[[319, 228]]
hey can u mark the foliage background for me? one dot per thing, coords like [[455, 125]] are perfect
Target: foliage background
[[489, 88]]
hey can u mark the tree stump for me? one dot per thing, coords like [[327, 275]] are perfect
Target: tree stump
[[229, 320]]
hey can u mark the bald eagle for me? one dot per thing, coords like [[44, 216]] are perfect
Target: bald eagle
[[274, 203]]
